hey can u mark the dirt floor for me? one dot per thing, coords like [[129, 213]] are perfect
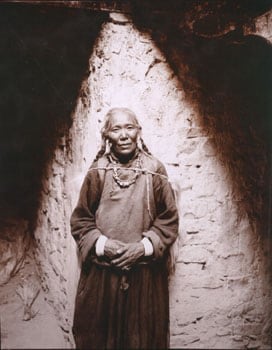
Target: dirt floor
[[27, 321]]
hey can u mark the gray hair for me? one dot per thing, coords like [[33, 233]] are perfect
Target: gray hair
[[106, 127]]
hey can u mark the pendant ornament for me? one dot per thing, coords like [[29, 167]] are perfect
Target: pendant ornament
[[117, 166]]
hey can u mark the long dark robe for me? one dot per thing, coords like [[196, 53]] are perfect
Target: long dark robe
[[117, 309]]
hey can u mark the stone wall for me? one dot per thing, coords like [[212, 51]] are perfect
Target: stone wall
[[56, 253], [263, 26], [220, 293], [14, 244]]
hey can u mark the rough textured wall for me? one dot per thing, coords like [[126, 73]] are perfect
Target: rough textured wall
[[226, 75], [40, 76], [56, 253], [220, 293], [14, 243], [263, 26]]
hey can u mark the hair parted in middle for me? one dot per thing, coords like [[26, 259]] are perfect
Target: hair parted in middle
[[105, 147]]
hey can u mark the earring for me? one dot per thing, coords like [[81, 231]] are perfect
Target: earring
[[108, 147], [139, 143]]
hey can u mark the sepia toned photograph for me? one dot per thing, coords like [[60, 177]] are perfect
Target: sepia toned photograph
[[136, 174]]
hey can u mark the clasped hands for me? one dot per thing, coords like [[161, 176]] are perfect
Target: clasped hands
[[123, 255]]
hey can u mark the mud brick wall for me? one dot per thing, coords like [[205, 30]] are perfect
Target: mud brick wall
[[220, 294]]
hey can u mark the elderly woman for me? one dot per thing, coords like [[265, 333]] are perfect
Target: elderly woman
[[124, 223]]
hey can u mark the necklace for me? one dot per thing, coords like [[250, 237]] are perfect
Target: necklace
[[116, 176]]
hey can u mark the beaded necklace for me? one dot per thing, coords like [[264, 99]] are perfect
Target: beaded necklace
[[116, 176]]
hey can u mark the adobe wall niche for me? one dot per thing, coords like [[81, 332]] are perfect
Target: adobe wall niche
[[221, 292]]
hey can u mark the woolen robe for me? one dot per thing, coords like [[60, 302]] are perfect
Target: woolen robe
[[124, 309]]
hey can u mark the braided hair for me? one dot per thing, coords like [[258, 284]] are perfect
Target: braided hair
[[144, 147], [105, 129], [101, 152]]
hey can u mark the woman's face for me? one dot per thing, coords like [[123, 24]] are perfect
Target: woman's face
[[122, 134]]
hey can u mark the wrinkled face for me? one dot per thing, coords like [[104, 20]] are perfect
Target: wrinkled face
[[122, 134]]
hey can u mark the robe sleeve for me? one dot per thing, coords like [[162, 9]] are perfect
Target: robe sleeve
[[164, 229], [83, 226]]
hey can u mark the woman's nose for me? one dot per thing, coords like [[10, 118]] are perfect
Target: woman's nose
[[123, 133]]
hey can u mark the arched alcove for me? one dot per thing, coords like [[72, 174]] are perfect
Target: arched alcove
[[189, 89]]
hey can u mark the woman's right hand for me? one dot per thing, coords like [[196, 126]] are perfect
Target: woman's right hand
[[111, 247]]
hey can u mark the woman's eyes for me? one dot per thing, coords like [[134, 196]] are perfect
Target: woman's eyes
[[129, 127]]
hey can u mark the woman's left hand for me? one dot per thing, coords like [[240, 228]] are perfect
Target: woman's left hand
[[130, 254]]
